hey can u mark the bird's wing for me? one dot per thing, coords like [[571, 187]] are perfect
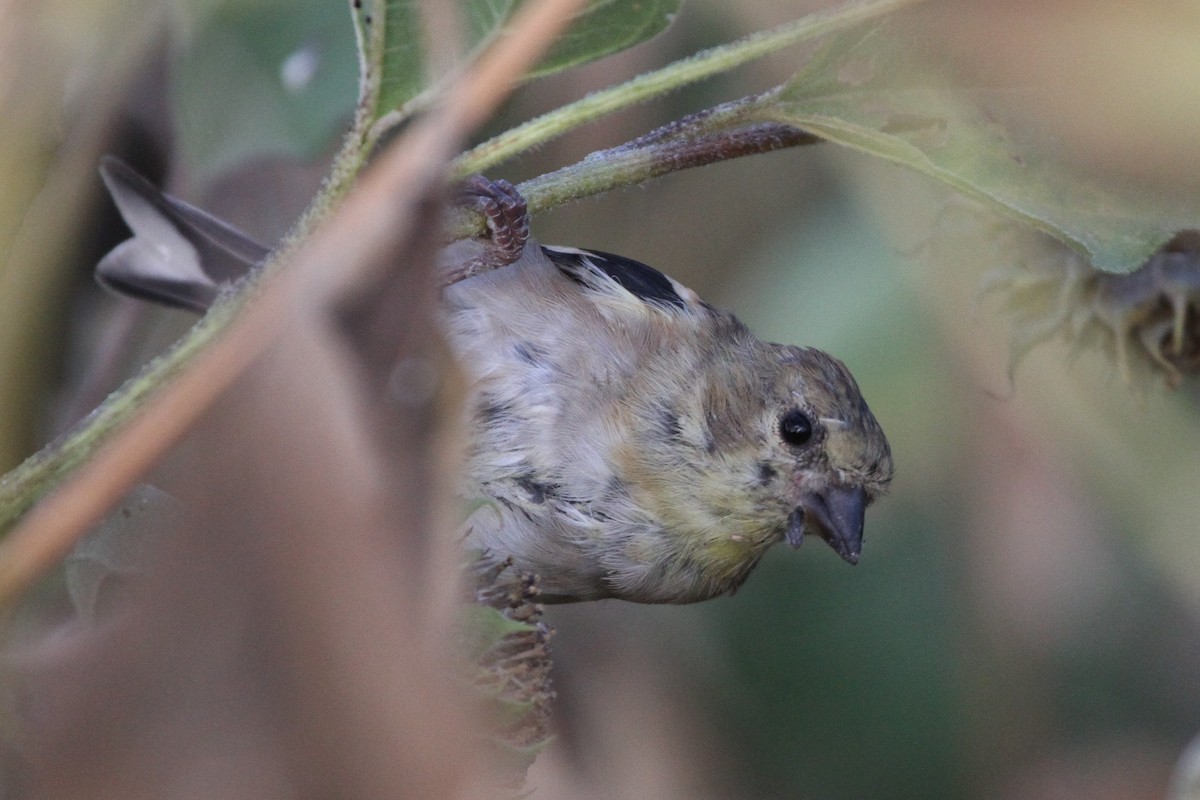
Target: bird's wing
[[608, 273], [179, 255]]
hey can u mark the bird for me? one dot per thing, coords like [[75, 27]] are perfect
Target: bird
[[626, 439]]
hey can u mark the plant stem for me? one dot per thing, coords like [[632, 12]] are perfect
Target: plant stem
[[24, 485], [702, 65], [730, 130]]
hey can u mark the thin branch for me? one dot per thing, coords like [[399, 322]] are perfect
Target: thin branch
[[697, 67], [731, 130]]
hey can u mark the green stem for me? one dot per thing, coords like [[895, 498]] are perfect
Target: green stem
[[702, 65], [730, 130], [39, 473]]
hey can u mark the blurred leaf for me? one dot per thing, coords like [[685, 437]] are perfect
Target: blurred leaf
[[873, 91], [485, 628], [269, 78], [607, 27], [603, 28], [117, 549]]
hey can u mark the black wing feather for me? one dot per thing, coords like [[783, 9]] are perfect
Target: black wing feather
[[640, 280]]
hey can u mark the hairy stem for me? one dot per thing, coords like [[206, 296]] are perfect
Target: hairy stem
[[702, 65], [731, 130]]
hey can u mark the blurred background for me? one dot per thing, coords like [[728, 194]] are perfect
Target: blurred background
[[1025, 621]]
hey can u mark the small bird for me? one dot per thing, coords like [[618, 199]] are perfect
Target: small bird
[[629, 440]]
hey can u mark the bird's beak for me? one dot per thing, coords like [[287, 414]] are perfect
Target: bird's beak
[[836, 515]]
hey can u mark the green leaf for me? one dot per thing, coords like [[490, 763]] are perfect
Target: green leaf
[[393, 61], [871, 91], [268, 78], [696, 67], [607, 27]]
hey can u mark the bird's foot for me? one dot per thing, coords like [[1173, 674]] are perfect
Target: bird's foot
[[507, 218]]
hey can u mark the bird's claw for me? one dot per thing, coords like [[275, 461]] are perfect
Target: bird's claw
[[506, 213]]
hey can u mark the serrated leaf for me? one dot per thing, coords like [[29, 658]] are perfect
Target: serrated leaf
[[392, 56], [268, 78], [869, 89]]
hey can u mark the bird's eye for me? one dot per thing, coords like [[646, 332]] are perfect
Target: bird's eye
[[795, 428]]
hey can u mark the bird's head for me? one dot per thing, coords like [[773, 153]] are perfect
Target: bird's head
[[831, 457], [792, 449]]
